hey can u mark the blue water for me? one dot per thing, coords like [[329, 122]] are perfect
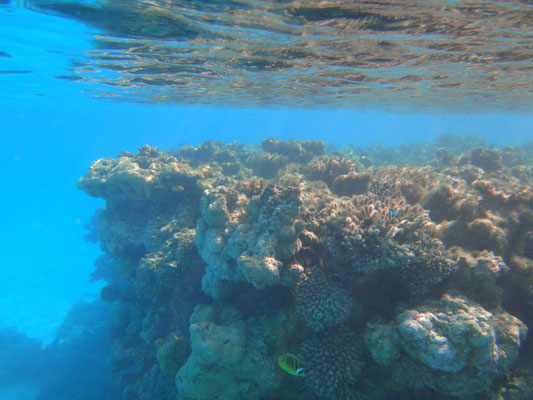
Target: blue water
[[48, 147], [53, 129]]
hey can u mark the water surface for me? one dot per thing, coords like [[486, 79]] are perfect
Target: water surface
[[401, 55]]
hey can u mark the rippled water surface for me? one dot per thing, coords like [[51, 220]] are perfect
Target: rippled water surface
[[436, 55]]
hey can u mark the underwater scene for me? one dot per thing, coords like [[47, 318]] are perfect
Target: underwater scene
[[266, 200]]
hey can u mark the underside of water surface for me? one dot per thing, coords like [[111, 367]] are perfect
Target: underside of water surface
[[400, 55]]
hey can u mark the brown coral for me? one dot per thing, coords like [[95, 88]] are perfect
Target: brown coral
[[266, 165], [302, 151], [350, 184], [327, 169]]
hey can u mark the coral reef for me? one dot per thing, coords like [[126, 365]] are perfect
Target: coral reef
[[220, 257], [350, 184], [328, 168], [321, 302], [518, 387], [488, 159], [454, 346], [153, 269], [229, 359], [147, 175], [371, 232], [332, 362], [302, 151], [266, 165], [245, 239], [172, 353]]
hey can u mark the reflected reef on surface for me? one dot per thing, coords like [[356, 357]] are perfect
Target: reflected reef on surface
[[403, 55]]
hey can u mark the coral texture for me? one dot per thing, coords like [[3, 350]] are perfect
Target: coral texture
[[248, 239], [464, 346], [228, 360], [220, 257], [332, 362], [320, 301], [368, 233]]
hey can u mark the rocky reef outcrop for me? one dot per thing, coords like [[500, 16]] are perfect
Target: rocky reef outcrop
[[245, 239], [228, 348], [453, 346], [384, 281]]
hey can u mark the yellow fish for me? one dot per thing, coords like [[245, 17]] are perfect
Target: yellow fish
[[291, 364]]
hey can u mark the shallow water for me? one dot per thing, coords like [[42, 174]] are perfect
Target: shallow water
[[402, 181], [24, 391]]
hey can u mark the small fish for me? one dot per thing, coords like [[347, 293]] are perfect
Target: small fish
[[391, 212], [291, 364]]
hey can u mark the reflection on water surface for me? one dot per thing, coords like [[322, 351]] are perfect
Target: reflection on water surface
[[466, 55]]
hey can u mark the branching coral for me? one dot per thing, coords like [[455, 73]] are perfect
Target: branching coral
[[366, 233]]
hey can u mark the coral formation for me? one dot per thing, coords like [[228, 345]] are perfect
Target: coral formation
[[456, 346], [327, 169], [303, 150], [227, 349], [350, 184], [322, 302], [487, 159], [221, 257], [245, 239], [266, 165], [370, 232], [332, 362]]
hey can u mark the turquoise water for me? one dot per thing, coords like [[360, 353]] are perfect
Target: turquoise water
[[84, 81]]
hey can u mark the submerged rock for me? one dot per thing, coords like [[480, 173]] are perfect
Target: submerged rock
[[488, 159], [247, 239], [461, 347], [228, 360]]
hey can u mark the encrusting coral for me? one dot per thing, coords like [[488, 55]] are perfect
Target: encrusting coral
[[245, 239], [220, 257], [459, 348], [227, 348]]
